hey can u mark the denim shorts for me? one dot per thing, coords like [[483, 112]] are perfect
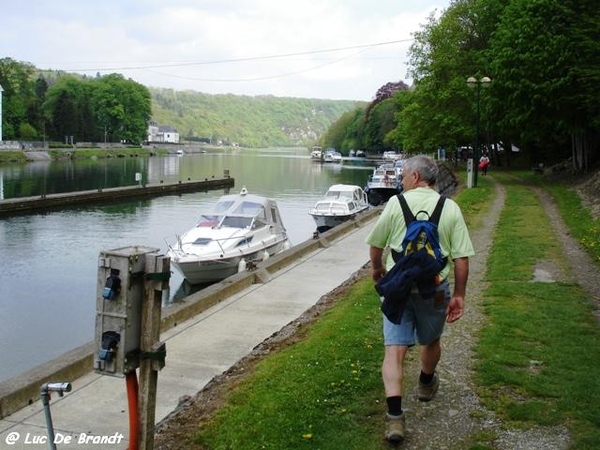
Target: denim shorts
[[423, 319]]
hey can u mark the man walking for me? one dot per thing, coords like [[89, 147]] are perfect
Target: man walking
[[423, 319]]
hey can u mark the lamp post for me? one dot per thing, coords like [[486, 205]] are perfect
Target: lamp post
[[1, 90], [473, 82]]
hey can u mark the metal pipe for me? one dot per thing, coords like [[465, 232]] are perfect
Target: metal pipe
[[45, 390]]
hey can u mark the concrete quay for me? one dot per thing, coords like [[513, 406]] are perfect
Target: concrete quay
[[205, 335]]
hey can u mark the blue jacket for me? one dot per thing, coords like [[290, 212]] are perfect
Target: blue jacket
[[415, 269]]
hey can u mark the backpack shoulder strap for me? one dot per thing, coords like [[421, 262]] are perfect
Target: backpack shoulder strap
[[437, 212], [408, 215]]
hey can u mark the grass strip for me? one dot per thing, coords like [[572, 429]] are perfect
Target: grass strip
[[539, 353], [581, 224], [322, 392]]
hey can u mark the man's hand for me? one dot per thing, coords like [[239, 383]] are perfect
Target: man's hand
[[455, 308], [377, 274], [377, 267]]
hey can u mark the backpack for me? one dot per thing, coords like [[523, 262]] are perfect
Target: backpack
[[423, 233], [418, 263]]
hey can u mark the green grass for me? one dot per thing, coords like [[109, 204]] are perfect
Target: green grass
[[19, 157], [104, 153], [475, 202], [582, 225], [320, 393], [9, 156], [538, 356]]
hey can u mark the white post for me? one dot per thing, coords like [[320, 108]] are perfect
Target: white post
[[470, 172]]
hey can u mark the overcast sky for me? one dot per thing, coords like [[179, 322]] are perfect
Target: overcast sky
[[331, 49]]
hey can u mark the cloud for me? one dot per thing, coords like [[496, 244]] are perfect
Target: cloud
[[252, 47]]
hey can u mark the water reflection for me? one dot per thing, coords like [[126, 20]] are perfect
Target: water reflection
[[49, 264]]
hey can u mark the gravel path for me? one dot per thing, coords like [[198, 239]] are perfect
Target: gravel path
[[446, 421]]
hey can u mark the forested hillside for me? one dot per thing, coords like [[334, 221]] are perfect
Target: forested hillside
[[59, 107], [260, 121]]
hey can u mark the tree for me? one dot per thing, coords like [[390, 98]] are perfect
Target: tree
[[62, 109], [122, 108], [547, 60], [347, 132], [445, 53], [17, 98], [380, 121]]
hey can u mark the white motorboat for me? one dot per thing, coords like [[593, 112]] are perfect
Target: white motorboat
[[384, 183], [391, 156], [316, 153], [342, 202], [332, 156], [239, 229]]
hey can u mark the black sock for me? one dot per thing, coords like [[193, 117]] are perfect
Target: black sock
[[425, 378], [394, 405]]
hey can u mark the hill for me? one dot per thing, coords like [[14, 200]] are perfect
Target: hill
[[261, 121]]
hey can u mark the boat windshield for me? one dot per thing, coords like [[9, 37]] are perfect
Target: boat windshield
[[236, 222], [209, 220], [250, 209], [228, 213], [222, 206], [339, 194]]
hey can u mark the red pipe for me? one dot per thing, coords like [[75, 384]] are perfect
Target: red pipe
[[134, 418]]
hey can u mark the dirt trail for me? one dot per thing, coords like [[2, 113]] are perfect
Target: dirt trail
[[456, 412]]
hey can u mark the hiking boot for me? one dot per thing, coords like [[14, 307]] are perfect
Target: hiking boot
[[427, 391], [395, 428]]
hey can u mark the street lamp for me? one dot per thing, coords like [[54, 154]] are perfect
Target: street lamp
[[1, 90], [472, 82]]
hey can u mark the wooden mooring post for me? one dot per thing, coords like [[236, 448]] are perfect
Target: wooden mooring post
[[153, 352]]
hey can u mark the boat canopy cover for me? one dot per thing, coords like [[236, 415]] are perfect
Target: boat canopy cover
[[344, 191], [242, 211]]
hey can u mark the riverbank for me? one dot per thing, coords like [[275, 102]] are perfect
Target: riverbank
[[22, 156], [18, 155]]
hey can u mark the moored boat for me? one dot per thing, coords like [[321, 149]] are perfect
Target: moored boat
[[239, 229], [390, 156], [384, 183], [332, 156], [316, 153], [342, 202]]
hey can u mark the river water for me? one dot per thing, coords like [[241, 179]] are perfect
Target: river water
[[49, 261]]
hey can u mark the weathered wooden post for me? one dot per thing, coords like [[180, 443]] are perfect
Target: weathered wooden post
[[153, 352]]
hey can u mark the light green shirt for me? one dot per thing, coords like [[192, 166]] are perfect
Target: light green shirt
[[390, 228]]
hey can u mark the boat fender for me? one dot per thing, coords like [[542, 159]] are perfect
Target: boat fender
[[242, 265], [265, 255]]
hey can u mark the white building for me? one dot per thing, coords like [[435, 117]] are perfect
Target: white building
[[162, 133]]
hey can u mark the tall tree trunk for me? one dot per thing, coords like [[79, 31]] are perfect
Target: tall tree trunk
[[580, 149]]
